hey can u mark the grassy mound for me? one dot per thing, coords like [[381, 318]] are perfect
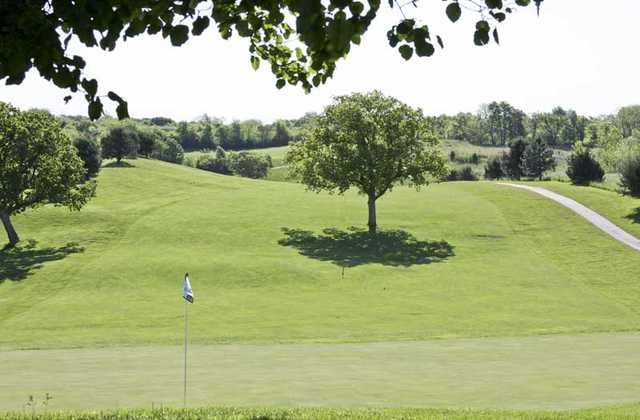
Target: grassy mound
[[270, 262]]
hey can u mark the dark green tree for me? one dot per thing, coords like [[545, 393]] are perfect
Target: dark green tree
[[120, 142], [367, 141], [89, 151], [537, 159], [512, 161], [582, 167], [493, 169], [207, 139], [38, 165]]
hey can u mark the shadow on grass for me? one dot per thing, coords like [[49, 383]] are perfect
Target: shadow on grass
[[121, 164], [356, 247], [634, 216], [18, 262]]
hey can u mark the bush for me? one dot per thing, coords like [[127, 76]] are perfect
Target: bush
[[583, 168], [168, 150], [493, 169], [465, 174], [217, 162], [475, 159], [249, 165], [452, 156], [630, 175], [89, 151]]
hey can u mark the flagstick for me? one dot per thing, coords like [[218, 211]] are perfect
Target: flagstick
[[186, 311]]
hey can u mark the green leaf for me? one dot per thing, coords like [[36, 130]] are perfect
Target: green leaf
[[179, 34], [90, 86], [356, 8], [122, 110], [454, 12], [406, 51], [199, 25], [523, 2], [423, 48], [493, 4], [255, 62], [114, 97], [95, 109], [495, 36], [440, 41], [500, 17], [280, 83]]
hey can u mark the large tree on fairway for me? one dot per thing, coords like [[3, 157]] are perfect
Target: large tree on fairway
[[38, 33], [367, 141], [38, 165]]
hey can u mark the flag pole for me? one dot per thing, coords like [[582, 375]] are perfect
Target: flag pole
[[186, 329]]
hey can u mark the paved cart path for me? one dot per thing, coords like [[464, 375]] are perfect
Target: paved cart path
[[593, 217]]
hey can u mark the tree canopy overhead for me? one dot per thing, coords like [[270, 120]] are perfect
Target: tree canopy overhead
[[36, 34]]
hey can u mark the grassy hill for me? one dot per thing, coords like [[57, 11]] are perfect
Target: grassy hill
[[533, 307], [457, 260]]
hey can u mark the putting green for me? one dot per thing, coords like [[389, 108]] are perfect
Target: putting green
[[545, 372]]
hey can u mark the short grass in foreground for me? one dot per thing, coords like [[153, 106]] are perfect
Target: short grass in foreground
[[629, 411], [267, 259], [543, 372]]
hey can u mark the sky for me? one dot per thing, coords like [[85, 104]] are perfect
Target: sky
[[578, 54]]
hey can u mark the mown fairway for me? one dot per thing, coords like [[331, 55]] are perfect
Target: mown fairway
[[487, 261]]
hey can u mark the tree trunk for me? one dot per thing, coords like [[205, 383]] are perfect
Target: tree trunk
[[8, 226], [372, 214]]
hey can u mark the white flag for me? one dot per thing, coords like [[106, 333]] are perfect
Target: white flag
[[187, 293]]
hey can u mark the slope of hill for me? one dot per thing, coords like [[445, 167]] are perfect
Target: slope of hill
[[457, 260]]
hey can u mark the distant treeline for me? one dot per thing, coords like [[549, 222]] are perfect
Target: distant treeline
[[499, 123], [205, 133]]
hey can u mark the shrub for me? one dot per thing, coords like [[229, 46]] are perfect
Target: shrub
[[89, 151], [168, 150], [493, 169], [465, 174], [452, 156], [249, 165], [582, 167], [475, 159], [217, 162], [630, 174]]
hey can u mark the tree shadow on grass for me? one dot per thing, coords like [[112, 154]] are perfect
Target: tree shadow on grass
[[18, 262], [121, 164], [357, 246], [634, 216]]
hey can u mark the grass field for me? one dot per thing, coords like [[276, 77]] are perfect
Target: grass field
[[626, 411], [455, 261]]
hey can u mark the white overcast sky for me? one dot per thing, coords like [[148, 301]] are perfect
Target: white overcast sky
[[579, 54]]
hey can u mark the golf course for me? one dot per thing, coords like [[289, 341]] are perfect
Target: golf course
[[475, 295]]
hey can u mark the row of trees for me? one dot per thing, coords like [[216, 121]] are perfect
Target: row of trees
[[205, 133], [523, 159], [499, 123]]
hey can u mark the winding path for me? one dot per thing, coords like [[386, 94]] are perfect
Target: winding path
[[593, 217]]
